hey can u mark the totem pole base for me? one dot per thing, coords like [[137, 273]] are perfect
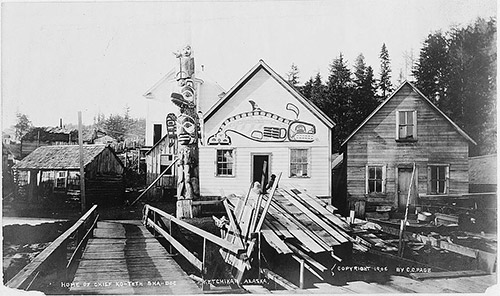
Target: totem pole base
[[186, 209]]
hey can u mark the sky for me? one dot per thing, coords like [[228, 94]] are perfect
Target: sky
[[58, 58]]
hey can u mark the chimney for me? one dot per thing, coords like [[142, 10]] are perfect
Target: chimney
[[202, 68], [60, 122]]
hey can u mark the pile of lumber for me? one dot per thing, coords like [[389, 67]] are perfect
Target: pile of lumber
[[291, 221]]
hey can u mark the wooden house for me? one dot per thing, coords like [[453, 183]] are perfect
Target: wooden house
[[405, 135], [160, 145], [54, 171], [47, 136], [262, 118]]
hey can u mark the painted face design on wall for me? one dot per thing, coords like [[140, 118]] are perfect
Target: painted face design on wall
[[187, 129]]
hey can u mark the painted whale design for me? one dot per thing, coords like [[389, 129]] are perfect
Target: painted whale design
[[263, 126]]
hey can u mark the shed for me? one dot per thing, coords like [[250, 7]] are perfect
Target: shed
[[54, 171]]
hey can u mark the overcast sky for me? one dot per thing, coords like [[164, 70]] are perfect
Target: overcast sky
[[61, 58]]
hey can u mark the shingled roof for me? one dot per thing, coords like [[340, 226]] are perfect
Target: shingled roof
[[59, 157]]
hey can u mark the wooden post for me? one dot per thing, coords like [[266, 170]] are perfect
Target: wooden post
[[82, 168], [170, 232], [301, 274], [260, 251], [403, 223]]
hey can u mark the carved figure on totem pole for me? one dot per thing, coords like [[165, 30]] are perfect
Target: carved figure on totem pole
[[187, 136]]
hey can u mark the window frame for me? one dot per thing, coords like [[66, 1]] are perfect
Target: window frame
[[383, 180], [308, 163], [414, 125], [430, 180], [58, 177], [233, 163], [167, 163]]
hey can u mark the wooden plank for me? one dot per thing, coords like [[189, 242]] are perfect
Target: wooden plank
[[278, 279], [233, 225], [34, 266], [306, 265], [213, 238], [274, 241], [279, 229], [408, 285], [296, 231], [306, 225], [294, 199], [311, 261], [178, 246], [316, 204], [447, 274]]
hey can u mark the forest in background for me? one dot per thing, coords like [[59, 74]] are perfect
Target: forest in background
[[455, 69]]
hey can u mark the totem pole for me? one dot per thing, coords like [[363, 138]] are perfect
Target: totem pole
[[187, 137]]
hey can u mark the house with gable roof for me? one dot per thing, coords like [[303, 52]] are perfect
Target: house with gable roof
[[405, 148], [263, 119]]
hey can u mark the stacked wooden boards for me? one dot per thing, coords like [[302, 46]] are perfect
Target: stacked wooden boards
[[300, 221], [294, 223]]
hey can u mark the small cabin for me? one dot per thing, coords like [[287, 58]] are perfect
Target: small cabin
[[405, 149], [53, 172]]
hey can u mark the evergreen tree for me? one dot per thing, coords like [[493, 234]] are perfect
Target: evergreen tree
[[339, 100], [457, 70], [385, 84], [432, 67], [307, 88], [364, 97], [293, 75]]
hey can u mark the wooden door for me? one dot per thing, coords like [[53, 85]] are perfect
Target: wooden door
[[404, 179]]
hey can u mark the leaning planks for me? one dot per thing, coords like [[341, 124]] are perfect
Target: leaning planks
[[316, 206], [335, 233], [304, 223]]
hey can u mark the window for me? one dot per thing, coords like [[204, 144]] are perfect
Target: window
[[438, 178], [407, 125], [375, 179], [60, 179], [225, 162], [165, 161], [299, 163], [156, 133]]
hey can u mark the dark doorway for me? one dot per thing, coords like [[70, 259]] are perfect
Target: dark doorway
[[258, 167], [156, 133]]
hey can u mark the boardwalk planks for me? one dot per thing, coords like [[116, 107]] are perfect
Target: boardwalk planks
[[124, 258]]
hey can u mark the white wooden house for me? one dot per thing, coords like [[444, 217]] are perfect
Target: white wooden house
[[264, 118]]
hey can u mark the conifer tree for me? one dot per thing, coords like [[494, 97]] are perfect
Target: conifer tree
[[385, 84]]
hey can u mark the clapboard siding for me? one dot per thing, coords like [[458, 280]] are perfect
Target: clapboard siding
[[269, 95], [438, 142], [153, 165], [316, 184]]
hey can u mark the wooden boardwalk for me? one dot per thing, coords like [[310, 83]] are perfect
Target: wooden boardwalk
[[123, 257]]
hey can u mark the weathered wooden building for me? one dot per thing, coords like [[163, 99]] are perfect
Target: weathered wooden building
[[47, 136], [54, 171], [262, 118], [405, 131]]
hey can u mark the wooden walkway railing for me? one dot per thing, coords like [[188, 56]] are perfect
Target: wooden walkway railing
[[151, 218], [53, 261]]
